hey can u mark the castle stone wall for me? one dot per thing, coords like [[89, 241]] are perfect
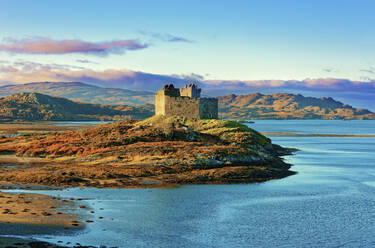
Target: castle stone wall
[[169, 102], [182, 106]]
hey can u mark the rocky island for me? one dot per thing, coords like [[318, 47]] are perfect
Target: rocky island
[[159, 151], [183, 144]]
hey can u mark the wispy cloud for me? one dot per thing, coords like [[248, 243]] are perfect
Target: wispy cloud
[[191, 77], [370, 70], [86, 61], [329, 70], [14, 71], [165, 37], [50, 46]]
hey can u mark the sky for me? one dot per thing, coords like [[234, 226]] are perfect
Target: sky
[[206, 40], [231, 40]]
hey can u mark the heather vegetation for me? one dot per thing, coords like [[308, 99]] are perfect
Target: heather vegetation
[[153, 152]]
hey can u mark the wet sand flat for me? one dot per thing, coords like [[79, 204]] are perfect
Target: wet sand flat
[[35, 209]]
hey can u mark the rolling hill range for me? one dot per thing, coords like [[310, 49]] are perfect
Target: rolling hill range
[[82, 92], [36, 106], [251, 106], [287, 106]]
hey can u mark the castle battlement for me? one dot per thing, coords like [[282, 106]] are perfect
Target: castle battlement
[[185, 102]]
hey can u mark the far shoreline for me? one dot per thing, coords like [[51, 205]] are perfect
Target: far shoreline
[[317, 134]]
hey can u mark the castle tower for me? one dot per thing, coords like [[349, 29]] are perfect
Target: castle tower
[[185, 102], [190, 90]]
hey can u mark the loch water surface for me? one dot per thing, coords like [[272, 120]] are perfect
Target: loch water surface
[[330, 202]]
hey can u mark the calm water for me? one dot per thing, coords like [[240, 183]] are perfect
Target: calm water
[[316, 126], [329, 203]]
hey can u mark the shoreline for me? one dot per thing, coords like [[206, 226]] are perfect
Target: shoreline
[[318, 135], [31, 172]]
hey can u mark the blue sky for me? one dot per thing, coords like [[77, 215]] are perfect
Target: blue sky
[[230, 40]]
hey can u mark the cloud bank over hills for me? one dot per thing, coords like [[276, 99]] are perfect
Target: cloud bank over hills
[[359, 94]]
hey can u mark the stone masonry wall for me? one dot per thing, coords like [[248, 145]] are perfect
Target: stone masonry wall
[[182, 106]]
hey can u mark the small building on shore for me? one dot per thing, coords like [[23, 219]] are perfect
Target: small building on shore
[[185, 102]]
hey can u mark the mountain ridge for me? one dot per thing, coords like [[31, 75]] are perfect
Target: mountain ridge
[[250, 106]]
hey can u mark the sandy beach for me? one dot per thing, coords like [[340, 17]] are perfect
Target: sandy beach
[[36, 209]]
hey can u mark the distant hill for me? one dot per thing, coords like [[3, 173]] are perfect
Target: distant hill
[[36, 106], [82, 92], [251, 106], [287, 106]]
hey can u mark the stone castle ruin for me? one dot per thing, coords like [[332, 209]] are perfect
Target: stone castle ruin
[[185, 102]]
